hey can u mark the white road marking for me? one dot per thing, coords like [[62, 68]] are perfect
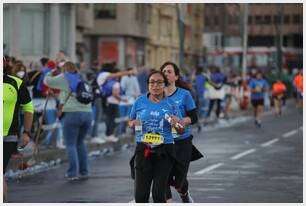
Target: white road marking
[[208, 189], [212, 167], [268, 143], [243, 154], [288, 134]]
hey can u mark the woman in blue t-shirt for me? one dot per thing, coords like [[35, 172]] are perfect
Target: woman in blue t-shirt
[[180, 93], [258, 87], [154, 153]]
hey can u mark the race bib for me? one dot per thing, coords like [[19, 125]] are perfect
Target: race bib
[[153, 138], [258, 88]]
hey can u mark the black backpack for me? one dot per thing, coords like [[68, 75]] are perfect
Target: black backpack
[[84, 93]]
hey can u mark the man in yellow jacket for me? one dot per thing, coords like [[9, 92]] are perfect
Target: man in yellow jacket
[[15, 95]]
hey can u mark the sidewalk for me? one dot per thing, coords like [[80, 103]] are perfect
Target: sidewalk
[[57, 156]]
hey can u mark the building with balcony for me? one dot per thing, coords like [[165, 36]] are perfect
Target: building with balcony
[[223, 34]]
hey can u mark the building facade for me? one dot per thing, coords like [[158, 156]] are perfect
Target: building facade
[[163, 34], [128, 34], [31, 31], [223, 34], [118, 35]]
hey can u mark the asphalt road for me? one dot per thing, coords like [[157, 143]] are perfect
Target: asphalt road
[[242, 164]]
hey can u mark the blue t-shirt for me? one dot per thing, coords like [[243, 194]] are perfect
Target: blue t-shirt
[[184, 101], [152, 117], [199, 85], [259, 85], [217, 78]]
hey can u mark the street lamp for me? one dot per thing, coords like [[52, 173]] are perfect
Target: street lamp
[[245, 40]]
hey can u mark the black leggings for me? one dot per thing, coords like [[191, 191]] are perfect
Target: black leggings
[[9, 148], [178, 174], [111, 114], [154, 168], [182, 190]]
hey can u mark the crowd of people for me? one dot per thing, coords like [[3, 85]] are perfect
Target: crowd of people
[[70, 101]]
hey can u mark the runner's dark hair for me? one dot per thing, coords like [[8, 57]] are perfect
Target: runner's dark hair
[[179, 83]]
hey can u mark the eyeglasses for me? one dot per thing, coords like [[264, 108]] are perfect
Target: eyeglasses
[[158, 83]]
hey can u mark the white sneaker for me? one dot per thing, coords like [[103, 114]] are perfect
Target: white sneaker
[[111, 138], [61, 146], [97, 140]]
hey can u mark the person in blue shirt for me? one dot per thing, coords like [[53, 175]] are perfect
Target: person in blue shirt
[[180, 93], [154, 153], [258, 87], [217, 80], [199, 88]]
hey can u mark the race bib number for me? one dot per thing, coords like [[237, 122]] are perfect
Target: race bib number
[[153, 138], [258, 88]]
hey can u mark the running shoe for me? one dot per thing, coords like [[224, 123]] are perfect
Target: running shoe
[[111, 138], [187, 198], [97, 140]]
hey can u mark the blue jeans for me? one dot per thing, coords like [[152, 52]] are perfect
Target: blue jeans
[[75, 127], [96, 112], [124, 111], [51, 119]]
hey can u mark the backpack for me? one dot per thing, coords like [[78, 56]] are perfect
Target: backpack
[[84, 93]]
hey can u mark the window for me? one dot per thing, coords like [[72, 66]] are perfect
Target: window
[[65, 26], [6, 29], [250, 20], [216, 20], [267, 20], [166, 27], [105, 11], [287, 19], [230, 19], [236, 19], [276, 19], [33, 29], [296, 19], [258, 19], [149, 13], [207, 21], [140, 12]]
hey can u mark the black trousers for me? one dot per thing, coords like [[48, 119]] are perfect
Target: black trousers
[[154, 168], [111, 113], [178, 174], [211, 105], [9, 148]]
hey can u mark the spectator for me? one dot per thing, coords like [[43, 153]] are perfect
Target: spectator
[[130, 86], [111, 96], [216, 93], [142, 79], [76, 121]]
